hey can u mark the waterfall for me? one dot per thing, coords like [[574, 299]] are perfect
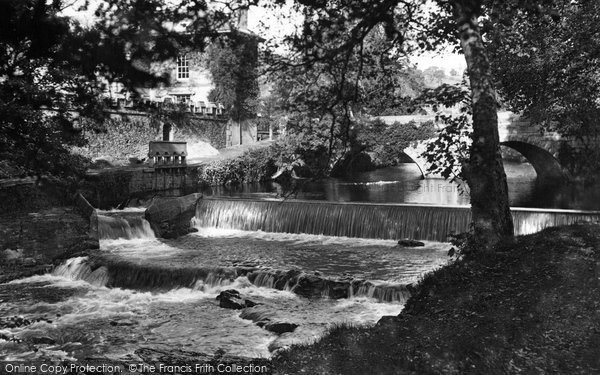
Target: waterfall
[[126, 226], [334, 219], [532, 220], [79, 269], [313, 286], [210, 280], [383, 292], [365, 220]]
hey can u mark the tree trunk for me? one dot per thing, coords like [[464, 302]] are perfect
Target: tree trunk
[[492, 220]]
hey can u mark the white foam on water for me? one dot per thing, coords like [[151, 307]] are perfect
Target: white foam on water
[[69, 274], [315, 318], [300, 238], [162, 317], [115, 227], [52, 281], [137, 246], [372, 310], [373, 183], [105, 302], [123, 210]]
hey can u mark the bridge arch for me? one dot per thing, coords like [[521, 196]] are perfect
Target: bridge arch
[[545, 164], [416, 160]]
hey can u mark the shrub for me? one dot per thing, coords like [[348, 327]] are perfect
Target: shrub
[[255, 165]]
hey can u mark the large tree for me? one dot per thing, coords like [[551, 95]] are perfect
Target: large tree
[[328, 102], [484, 170]]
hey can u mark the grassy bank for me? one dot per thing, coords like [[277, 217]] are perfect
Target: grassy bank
[[531, 307]]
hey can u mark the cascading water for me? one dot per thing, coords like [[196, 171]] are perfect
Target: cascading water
[[79, 269], [432, 223], [131, 226], [365, 220], [308, 263]]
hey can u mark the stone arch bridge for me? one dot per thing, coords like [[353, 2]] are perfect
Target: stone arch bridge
[[541, 149]]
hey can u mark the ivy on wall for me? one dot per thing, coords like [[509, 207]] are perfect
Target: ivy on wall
[[233, 64]]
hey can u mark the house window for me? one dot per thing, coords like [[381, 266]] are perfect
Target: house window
[[183, 67], [186, 98]]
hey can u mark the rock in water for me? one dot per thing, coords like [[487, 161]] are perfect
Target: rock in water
[[170, 217], [410, 243], [280, 328], [231, 299], [43, 340], [228, 303]]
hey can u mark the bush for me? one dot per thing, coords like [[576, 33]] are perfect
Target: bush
[[254, 165]]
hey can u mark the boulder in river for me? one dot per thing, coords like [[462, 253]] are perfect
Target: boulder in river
[[267, 317], [280, 327], [44, 340], [315, 286], [170, 217], [231, 299], [410, 243]]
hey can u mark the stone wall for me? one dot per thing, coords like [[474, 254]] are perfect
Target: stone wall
[[213, 131], [111, 189], [246, 135], [127, 133], [39, 228]]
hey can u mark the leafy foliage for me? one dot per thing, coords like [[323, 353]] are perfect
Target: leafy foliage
[[31, 139], [387, 143], [451, 149], [326, 103], [546, 67], [255, 165], [233, 64]]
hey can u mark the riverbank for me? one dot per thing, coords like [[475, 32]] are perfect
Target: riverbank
[[39, 227], [531, 307]]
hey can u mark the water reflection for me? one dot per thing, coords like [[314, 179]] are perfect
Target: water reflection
[[404, 184]]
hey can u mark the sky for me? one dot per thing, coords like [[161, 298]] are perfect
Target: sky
[[447, 61], [278, 25]]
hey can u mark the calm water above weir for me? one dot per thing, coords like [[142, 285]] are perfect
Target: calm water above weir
[[403, 184]]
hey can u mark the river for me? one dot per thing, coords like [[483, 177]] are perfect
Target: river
[[404, 184], [312, 261]]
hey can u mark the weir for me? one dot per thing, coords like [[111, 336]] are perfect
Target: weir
[[366, 220], [355, 220], [129, 275], [131, 225]]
